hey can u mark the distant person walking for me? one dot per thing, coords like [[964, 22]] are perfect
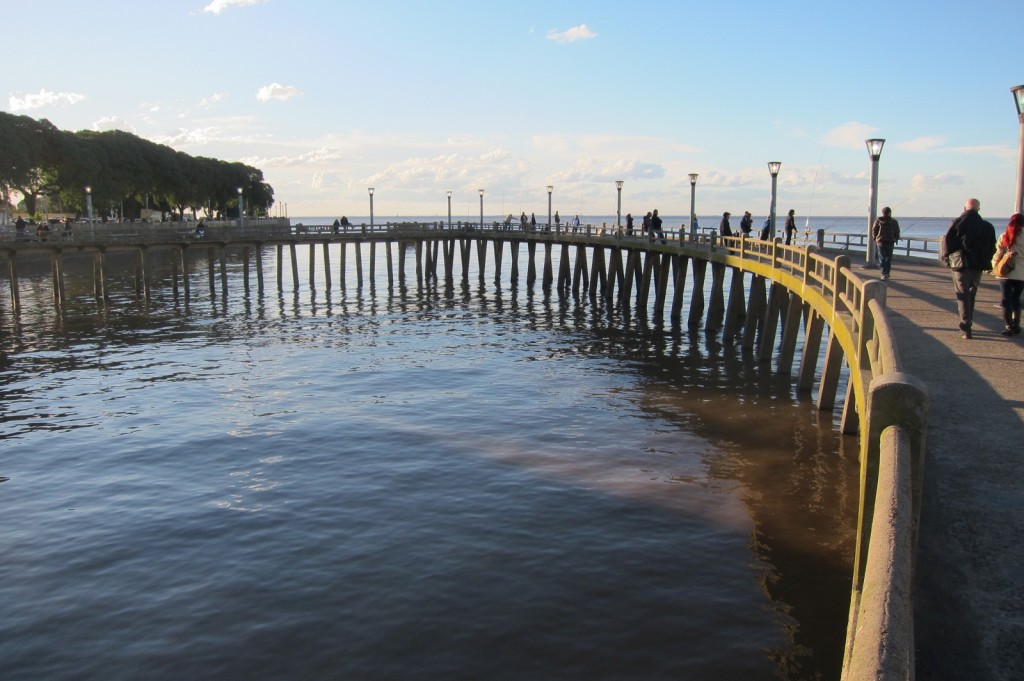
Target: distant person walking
[[723, 227], [576, 224], [746, 223], [645, 228], [656, 227], [967, 248], [629, 224], [790, 226], [885, 233], [533, 222], [1011, 283]]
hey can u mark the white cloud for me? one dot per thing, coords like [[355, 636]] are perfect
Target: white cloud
[[580, 32], [212, 99], [43, 98], [931, 183], [849, 136], [218, 6], [317, 156], [921, 144], [185, 137], [112, 123], [277, 91]]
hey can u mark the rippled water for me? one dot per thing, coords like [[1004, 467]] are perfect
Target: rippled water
[[473, 483]]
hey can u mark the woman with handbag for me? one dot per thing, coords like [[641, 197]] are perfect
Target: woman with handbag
[[1008, 268]]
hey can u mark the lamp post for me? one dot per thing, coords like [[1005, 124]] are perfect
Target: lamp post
[[693, 214], [88, 211], [551, 188], [874, 153], [370, 189], [241, 212], [773, 168], [618, 205], [1018, 99], [449, 193], [481, 209]]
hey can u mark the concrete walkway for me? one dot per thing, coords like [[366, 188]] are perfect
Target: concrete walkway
[[969, 593]]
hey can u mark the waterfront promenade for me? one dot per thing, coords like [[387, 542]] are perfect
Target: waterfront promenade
[[969, 592]]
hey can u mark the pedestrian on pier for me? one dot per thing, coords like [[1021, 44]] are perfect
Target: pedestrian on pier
[[19, 226], [1011, 284], [575, 224], [723, 227], [885, 232], [533, 222], [558, 220], [200, 230], [656, 227], [975, 240], [646, 227], [790, 226], [629, 224], [746, 223]]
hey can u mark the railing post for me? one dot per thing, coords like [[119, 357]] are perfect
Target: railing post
[[809, 261], [873, 290], [842, 263]]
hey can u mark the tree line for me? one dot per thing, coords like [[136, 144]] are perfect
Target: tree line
[[121, 169]]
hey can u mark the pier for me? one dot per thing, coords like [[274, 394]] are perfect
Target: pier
[[804, 311], [969, 583]]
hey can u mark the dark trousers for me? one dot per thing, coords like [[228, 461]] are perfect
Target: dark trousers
[[1011, 290], [965, 284], [884, 256]]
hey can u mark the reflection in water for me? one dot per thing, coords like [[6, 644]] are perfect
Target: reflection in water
[[358, 423]]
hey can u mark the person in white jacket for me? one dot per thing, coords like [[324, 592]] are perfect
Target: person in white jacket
[[1011, 283]]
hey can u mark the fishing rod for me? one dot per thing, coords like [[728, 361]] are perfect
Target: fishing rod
[[814, 184]]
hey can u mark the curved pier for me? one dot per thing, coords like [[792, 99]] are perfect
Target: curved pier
[[770, 298]]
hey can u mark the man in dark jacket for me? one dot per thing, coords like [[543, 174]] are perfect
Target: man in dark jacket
[[885, 232], [975, 239]]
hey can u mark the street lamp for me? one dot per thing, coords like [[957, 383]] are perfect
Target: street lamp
[[449, 193], [371, 207], [874, 152], [481, 209], [773, 168], [618, 205], [693, 214], [1018, 99], [241, 212], [88, 210], [551, 188]]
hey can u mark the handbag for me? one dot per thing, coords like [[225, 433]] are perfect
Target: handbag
[[1004, 265], [954, 259]]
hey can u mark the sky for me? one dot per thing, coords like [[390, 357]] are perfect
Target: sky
[[330, 97]]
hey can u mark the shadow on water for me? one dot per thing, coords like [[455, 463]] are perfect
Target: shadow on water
[[795, 476]]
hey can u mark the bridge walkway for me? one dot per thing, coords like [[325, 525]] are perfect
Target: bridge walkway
[[969, 591]]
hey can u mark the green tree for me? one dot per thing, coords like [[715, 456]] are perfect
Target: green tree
[[30, 157], [121, 169]]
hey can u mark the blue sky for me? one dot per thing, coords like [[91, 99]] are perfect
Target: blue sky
[[416, 98]]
